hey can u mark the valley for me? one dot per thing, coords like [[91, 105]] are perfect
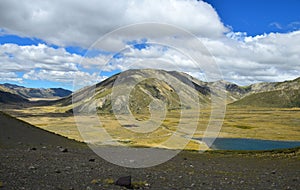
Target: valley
[[239, 122], [245, 115]]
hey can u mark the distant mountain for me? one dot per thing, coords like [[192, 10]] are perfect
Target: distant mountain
[[275, 94], [276, 98], [34, 92]]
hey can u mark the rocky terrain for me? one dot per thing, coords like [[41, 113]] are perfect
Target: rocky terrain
[[31, 158]]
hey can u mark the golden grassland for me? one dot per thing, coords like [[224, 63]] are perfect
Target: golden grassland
[[239, 122]]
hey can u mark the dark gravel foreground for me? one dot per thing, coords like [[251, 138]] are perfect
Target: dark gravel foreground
[[31, 158]]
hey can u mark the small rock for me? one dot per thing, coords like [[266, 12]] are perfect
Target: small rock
[[68, 168], [57, 171], [92, 160], [32, 148], [63, 149], [124, 181], [273, 172], [32, 168]]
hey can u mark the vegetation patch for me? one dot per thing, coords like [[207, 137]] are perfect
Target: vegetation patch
[[243, 127]]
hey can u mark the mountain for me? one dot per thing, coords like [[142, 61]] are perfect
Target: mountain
[[275, 94], [159, 86], [34, 92], [9, 98], [275, 99]]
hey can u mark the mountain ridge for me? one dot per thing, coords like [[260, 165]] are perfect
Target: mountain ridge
[[28, 93], [252, 95], [160, 90]]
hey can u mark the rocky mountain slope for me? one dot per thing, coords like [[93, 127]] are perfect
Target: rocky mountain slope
[[149, 85], [274, 94], [160, 86]]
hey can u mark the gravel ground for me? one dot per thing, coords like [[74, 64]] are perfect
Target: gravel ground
[[31, 158]]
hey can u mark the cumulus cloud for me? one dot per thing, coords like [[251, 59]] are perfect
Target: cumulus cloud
[[68, 77], [41, 62], [25, 58], [10, 76], [242, 59], [77, 22], [268, 57]]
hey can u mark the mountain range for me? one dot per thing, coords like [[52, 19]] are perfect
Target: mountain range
[[11, 93], [266, 94]]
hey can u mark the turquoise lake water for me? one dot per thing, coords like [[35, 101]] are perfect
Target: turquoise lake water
[[251, 144]]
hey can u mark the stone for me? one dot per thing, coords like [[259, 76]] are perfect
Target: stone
[[63, 149], [32, 168], [124, 181]]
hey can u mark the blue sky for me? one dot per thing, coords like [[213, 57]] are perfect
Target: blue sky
[[44, 48], [259, 16]]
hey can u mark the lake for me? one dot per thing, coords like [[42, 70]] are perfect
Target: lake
[[251, 144]]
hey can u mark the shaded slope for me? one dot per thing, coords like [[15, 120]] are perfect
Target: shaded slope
[[9, 98], [14, 131]]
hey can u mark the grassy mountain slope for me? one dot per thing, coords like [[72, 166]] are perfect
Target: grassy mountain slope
[[278, 98], [275, 94]]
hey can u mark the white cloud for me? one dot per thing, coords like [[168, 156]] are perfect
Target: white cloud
[[268, 57], [10, 76], [41, 62], [276, 25], [68, 77], [243, 59], [25, 58], [77, 22]]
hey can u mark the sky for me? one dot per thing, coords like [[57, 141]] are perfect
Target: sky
[[74, 43]]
